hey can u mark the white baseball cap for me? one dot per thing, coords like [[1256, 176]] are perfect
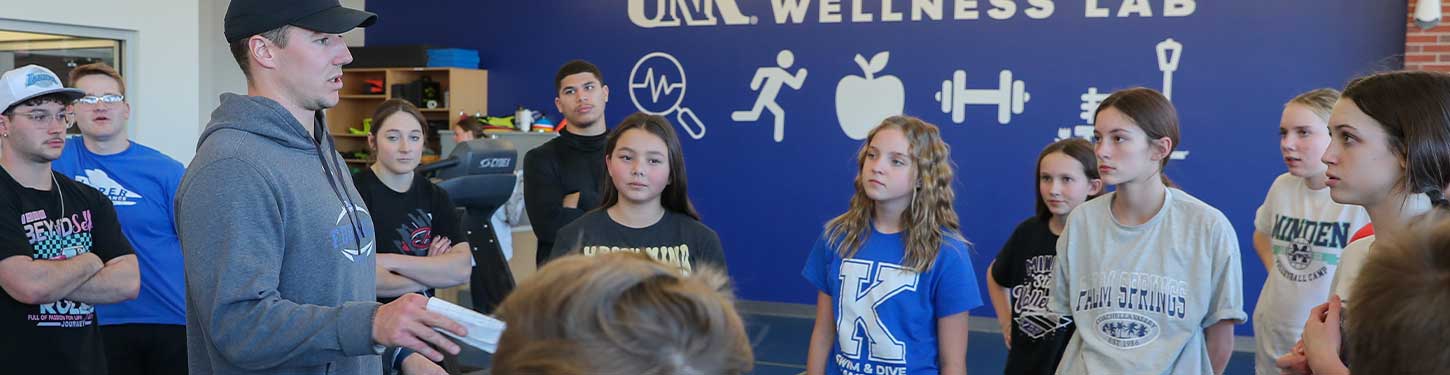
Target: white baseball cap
[[30, 81]]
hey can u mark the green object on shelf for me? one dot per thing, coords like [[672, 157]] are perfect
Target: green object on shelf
[[502, 122], [367, 128]]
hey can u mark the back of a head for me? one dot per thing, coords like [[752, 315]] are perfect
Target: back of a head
[[1396, 322], [621, 313]]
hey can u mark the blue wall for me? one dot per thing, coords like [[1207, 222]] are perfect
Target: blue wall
[[1240, 61]]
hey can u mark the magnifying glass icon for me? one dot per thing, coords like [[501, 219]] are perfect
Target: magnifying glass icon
[[661, 85]]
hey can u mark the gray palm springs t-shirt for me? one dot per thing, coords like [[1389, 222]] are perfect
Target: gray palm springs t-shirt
[[1142, 295]]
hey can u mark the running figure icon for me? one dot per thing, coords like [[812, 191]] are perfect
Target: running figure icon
[[768, 80]]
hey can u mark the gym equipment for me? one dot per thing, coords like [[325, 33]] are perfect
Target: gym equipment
[[479, 176], [1008, 96]]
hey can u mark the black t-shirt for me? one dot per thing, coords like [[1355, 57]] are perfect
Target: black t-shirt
[[677, 239], [1024, 267], [61, 337], [407, 222]]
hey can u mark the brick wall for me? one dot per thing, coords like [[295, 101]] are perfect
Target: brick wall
[[1427, 49]]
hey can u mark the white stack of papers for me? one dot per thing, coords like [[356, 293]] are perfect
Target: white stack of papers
[[483, 330]]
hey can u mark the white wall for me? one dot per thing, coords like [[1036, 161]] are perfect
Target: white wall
[[182, 64], [354, 37], [162, 83], [218, 71]]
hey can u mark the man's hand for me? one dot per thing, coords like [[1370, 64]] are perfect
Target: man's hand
[[406, 322], [416, 364], [571, 200]]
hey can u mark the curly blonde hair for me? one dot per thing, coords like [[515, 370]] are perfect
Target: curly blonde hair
[[622, 313], [930, 216]]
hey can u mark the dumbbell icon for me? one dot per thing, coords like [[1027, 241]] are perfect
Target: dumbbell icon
[[1009, 96]]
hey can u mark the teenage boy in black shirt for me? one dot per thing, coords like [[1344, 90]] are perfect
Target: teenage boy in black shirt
[[562, 176]]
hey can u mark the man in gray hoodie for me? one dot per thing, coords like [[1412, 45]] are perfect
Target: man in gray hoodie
[[278, 246]]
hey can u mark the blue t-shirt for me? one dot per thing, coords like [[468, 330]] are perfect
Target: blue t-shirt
[[141, 183], [887, 321]]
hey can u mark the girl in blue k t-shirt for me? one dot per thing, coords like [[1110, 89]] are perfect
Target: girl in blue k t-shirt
[[894, 277]]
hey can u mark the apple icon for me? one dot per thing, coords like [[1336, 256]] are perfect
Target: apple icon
[[862, 102]]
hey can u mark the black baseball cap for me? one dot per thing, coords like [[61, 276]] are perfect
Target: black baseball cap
[[246, 18]]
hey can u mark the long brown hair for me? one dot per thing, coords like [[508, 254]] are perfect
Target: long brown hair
[[1153, 113], [928, 218], [676, 196], [1076, 148], [1414, 109], [621, 313]]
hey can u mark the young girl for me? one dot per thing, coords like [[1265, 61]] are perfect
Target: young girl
[[894, 277], [646, 206], [621, 313], [1067, 176], [419, 241], [466, 129], [1299, 231], [1149, 274], [1391, 154]]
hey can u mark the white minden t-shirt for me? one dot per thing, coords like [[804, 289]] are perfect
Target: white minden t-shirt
[[1142, 295], [1355, 255], [1308, 232]]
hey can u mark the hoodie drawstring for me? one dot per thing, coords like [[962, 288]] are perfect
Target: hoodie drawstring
[[322, 139]]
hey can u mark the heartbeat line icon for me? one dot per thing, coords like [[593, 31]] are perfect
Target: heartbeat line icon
[[662, 86]]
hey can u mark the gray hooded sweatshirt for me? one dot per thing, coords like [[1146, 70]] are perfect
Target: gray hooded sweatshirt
[[278, 247]]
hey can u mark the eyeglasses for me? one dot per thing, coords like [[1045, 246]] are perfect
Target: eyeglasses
[[108, 99], [66, 118]]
